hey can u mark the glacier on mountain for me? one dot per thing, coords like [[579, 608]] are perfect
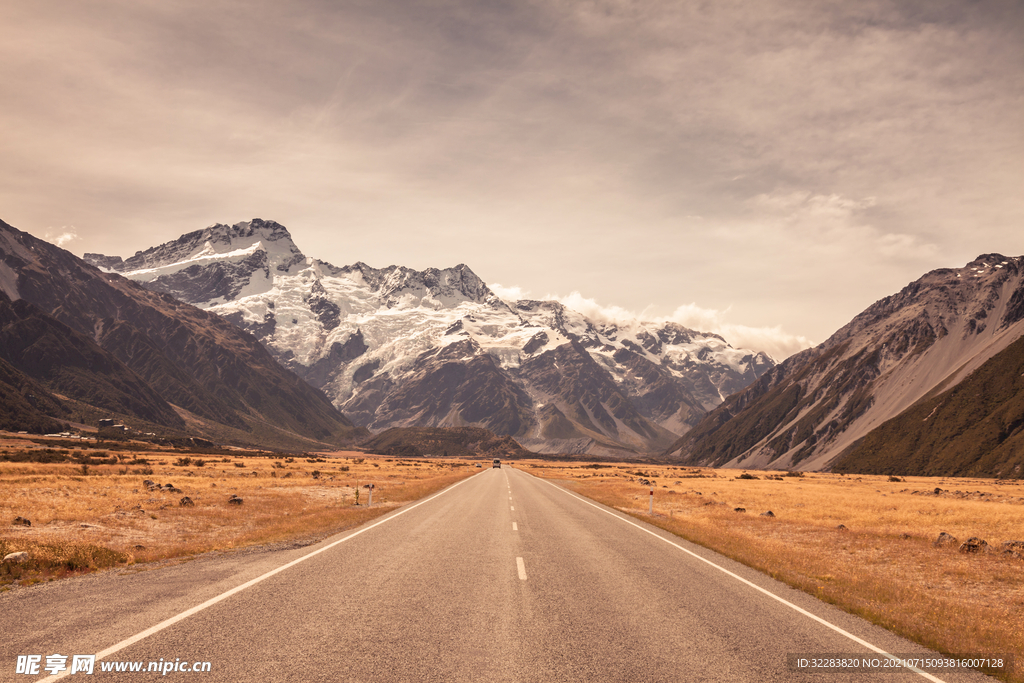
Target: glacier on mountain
[[395, 346]]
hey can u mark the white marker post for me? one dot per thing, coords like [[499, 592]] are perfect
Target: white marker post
[[651, 511], [369, 502]]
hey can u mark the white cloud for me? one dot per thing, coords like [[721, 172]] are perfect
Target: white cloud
[[513, 293], [774, 341], [67, 235], [597, 312]]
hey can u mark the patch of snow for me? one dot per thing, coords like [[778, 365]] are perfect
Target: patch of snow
[[204, 256]]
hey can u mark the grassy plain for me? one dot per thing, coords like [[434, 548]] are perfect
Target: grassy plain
[[883, 565], [95, 516]]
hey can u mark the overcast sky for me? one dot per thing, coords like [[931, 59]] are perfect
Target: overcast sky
[[766, 169]]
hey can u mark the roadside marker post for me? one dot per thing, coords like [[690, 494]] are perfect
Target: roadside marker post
[[651, 511]]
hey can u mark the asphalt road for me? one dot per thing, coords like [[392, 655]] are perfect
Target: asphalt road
[[501, 577]]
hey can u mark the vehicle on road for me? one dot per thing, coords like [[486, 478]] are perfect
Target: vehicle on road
[[497, 463]]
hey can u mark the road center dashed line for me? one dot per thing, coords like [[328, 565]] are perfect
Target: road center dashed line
[[514, 527], [753, 585], [521, 566]]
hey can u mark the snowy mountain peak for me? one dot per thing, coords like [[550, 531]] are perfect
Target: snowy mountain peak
[[216, 264], [397, 346], [218, 241], [445, 288]]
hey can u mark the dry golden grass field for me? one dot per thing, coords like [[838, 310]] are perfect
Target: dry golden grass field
[[95, 516], [864, 543], [883, 564]]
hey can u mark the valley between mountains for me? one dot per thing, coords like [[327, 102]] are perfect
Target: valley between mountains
[[232, 333]]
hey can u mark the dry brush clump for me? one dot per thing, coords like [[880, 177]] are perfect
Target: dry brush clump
[[864, 543], [171, 506]]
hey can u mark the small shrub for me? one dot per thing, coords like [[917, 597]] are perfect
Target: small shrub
[[745, 475], [239, 464]]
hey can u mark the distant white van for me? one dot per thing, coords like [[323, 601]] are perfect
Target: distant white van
[[497, 463]]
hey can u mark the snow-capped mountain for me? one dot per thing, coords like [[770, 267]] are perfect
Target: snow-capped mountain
[[819, 407], [77, 344], [399, 347]]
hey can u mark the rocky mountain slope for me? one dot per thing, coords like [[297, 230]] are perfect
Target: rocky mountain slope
[[908, 352], [99, 342], [395, 347], [974, 429]]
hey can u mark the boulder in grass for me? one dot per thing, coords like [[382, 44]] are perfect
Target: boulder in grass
[[234, 500], [974, 545], [1013, 548], [768, 514], [739, 509], [945, 539], [186, 502], [21, 521], [15, 558], [841, 527]]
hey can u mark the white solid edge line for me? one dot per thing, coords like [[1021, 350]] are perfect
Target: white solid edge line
[[785, 602], [237, 589], [521, 566]]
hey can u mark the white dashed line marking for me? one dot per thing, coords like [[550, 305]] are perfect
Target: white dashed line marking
[[522, 568], [514, 527]]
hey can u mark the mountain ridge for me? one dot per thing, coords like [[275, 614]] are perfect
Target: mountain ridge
[[374, 340], [904, 348], [184, 357]]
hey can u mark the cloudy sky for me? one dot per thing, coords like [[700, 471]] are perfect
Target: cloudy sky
[[766, 169]]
